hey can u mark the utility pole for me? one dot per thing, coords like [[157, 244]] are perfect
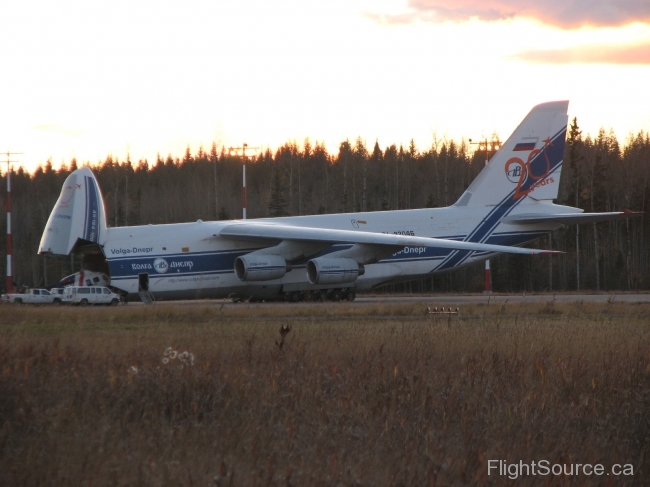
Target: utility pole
[[495, 143], [241, 151], [10, 280]]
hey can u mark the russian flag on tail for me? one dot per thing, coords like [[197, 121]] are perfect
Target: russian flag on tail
[[526, 144]]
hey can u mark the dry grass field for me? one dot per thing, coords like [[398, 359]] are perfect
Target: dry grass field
[[355, 394]]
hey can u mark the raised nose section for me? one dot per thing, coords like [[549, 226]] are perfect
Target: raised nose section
[[78, 216]]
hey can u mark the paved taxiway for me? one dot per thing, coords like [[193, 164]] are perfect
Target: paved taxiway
[[459, 299], [443, 299]]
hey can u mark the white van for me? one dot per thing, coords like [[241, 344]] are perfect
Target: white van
[[85, 295]]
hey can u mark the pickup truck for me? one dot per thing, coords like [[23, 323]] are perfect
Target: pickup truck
[[33, 296]]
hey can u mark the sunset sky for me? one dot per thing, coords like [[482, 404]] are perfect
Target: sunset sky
[[87, 79]]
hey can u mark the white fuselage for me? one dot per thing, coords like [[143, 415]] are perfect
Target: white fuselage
[[188, 260]]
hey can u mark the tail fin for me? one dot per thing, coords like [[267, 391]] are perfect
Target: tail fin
[[78, 218], [528, 164]]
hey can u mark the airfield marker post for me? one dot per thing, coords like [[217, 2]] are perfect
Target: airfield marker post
[[495, 147], [10, 281], [235, 151]]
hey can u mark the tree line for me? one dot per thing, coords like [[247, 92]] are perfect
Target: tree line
[[599, 174]]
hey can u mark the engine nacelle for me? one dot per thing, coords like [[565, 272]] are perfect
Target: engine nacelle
[[333, 271], [259, 267]]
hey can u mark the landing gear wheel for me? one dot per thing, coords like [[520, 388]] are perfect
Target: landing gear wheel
[[350, 296], [337, 295]]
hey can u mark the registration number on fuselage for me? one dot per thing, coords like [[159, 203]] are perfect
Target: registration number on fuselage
[[402, 232]]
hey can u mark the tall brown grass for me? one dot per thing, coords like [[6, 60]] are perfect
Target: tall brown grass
[[358, 394]]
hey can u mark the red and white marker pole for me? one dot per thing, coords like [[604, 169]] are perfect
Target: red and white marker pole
[[495, 146], [234, 151], [10, 278], [10, 281], [488, 277]]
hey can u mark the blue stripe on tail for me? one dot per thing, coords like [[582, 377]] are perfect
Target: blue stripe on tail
[[554, 152], [91, 223]]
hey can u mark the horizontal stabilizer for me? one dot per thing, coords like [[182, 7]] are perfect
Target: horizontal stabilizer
[[269, 231], [570, 218]]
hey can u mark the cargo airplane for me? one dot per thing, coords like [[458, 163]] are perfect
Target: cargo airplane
[[331, 256]]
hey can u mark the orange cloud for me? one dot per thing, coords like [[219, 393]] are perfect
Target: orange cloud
[[566, 14], [638, 53]]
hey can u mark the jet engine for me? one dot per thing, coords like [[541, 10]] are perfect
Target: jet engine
[[333, 271], [259, 267]]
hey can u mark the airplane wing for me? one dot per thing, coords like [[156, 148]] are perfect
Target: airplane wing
[[570, 218], [256, 231]]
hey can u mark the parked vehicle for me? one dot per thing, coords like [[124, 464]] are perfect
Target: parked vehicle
[[85, 295], [57, 292], [33, 296]]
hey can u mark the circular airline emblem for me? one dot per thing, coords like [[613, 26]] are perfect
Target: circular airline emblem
[[513, 171], [66, 196], [160, 265]]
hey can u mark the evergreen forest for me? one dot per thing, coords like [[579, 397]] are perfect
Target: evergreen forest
[[599, 174]]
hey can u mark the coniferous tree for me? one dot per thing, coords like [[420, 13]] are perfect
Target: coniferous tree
[[344, 158], [278, 203], [574, 143]]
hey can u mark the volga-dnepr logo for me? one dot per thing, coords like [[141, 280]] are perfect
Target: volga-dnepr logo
[[523, 174], [160, 265], [514, 172]]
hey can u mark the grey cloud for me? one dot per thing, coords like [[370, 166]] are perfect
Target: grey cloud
[[566, 14]]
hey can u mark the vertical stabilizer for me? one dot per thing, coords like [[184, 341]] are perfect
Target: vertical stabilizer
[[78, 218], [528, 165]]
